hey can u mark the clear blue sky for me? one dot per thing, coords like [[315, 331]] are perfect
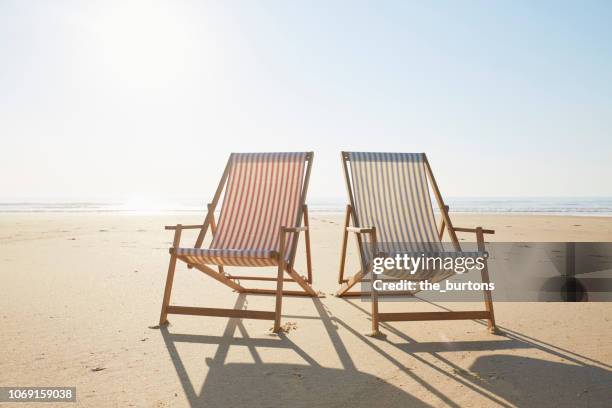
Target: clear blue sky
[[148, 98]]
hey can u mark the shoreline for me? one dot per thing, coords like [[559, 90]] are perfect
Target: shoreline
[[312, 211]]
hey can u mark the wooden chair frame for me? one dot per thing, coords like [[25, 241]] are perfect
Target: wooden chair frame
[[232, 281], [351, 225]]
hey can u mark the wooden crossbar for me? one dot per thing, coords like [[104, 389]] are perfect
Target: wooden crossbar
[[257, 278], [421, 316], [380, 293], [209, 311], [219, 277], [257, 291]]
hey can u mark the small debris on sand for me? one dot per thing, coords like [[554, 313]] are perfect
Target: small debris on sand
[[98, 369], [287, 327]]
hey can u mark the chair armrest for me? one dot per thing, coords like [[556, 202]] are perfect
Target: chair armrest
[[484, 231], [361, 230], [182, 227], [294, 229]]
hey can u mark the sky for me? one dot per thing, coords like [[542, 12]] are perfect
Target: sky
[[147, 99]]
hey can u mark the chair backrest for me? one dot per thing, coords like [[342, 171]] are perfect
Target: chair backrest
[[390, 191], [264, 191]]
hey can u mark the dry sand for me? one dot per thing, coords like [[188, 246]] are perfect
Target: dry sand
[[79, 292]]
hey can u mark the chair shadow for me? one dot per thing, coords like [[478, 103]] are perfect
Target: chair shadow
[[503, 379], [280, 385], [534, 382], [522, 381]]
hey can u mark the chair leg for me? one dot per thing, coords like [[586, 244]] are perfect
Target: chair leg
[[488, 297], [279, 285], [352, 281], [279, 300], [374, 300], [307, 241], [163, 318], [488, 302], [347, 219]]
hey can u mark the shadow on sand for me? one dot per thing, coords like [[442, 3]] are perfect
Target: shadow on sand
[[533, 382], [502, 379], [284, 385]]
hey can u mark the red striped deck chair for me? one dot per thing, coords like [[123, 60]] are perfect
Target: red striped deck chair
[[390, 211], [258, 226]]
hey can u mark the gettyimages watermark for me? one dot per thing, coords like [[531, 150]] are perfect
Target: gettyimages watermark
[[413, 263], [510, 271], [439, 264]]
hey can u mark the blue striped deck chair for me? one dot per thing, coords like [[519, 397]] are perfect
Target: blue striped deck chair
[[390, 211]]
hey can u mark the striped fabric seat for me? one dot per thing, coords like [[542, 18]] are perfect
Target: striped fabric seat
[[231, 257], [262, 194], [391, 193]]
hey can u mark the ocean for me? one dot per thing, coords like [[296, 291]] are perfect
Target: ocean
[[592, 206]]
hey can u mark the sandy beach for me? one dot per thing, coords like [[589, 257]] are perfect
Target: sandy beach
[[119, 118], [81, 291]]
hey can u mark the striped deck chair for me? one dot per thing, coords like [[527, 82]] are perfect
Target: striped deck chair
[[391, 213], [258, 226]]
